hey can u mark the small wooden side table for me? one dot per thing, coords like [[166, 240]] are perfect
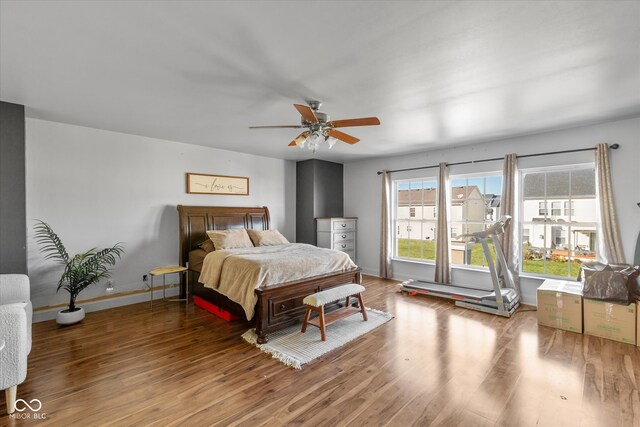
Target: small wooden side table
[[163, 271]]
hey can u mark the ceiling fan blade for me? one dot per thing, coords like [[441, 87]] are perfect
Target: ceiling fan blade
[[364, 121], [280, 126], [300, 137], [342, 136], [307, 113]]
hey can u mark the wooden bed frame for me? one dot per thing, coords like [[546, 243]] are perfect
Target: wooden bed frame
[[279, 305]]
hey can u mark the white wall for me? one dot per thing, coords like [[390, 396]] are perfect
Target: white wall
[[96, 188], [362, 187]]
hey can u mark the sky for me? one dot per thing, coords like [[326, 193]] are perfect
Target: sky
[[486, 184]]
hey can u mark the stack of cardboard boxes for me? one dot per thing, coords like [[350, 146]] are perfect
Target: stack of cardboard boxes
[[560, 305]]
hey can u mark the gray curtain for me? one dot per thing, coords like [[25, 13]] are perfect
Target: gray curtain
[[442, 235], [508, 204], [385, 234], [609, 234]]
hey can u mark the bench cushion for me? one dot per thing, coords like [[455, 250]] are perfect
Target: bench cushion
[[333, 294]]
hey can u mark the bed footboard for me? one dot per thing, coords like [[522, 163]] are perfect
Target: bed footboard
[[280, 306]]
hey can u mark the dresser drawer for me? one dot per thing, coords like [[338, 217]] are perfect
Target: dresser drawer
[[341, 237], [347, 224], [350, 252], [347, 245]]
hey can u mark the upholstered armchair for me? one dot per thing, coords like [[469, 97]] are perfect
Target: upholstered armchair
[[15, 331]]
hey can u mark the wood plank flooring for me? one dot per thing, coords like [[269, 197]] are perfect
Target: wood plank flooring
[[434, 364]]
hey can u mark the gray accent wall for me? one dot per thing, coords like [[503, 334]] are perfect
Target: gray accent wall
[[319, 193], [13, 228]]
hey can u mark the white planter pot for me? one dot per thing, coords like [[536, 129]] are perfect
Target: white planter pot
[[65, 317]]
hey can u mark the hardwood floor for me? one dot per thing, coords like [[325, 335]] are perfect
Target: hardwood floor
[[434, 364]]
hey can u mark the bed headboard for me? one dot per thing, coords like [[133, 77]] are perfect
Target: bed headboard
[[194, 221]]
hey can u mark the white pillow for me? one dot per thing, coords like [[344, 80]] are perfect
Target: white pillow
[[267, 237], [230, 239]]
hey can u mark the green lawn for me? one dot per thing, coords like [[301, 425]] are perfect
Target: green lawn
[[427, 250]]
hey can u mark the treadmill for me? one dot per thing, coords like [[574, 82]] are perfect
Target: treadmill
[[502, 301]]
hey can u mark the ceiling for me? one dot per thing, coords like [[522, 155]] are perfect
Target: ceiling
[[435, 73]]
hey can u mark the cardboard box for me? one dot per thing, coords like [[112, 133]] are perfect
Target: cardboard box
[[612, 321], [560, 305]]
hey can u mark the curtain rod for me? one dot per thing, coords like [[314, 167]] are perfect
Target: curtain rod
[[613, 147]]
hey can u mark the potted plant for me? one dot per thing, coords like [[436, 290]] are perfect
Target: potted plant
[[80, 271]]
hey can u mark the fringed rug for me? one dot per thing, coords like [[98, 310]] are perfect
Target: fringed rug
[[293, 348]]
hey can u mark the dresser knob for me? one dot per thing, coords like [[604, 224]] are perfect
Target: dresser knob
[[344, 246], [344, 225], [282, 306], [344, 236]]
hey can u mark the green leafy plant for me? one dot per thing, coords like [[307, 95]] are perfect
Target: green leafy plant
[[81, 270]]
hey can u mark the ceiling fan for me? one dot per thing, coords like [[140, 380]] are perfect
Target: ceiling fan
[[320, 128]]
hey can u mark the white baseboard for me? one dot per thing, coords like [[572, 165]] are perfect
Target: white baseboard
[[103, 304]]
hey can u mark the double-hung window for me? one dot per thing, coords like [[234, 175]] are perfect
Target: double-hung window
[[475, 204], [556, 241], [415, 219]]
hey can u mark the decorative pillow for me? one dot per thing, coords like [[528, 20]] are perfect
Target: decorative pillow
[[267, 237], [230, 239], [207, 246]]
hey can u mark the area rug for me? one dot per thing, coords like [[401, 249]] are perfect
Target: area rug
[[293, 348]]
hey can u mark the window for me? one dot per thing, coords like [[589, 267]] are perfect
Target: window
[[569, 209], [542, 208], [415, 219], [475, 204], [559, 237], [556, 245]]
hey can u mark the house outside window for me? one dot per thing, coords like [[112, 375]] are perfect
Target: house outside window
[[555, 245], [415, 219], [475, 204]]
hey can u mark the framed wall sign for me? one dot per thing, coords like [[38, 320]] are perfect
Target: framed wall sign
[[200, 183]]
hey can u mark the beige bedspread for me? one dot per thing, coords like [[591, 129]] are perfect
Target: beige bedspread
[[236, 273]]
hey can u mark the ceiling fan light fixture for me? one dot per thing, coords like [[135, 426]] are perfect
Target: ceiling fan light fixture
[[313, 142], [320, 128]]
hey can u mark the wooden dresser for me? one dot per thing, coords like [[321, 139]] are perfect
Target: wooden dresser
[[338, 234]]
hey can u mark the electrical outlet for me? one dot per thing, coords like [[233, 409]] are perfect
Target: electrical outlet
[[110, 288]]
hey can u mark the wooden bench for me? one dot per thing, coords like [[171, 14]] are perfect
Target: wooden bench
[[317, 301]]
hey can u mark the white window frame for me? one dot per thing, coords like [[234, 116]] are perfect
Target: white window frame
[[483, 267], [394, 217], [521, 224]]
